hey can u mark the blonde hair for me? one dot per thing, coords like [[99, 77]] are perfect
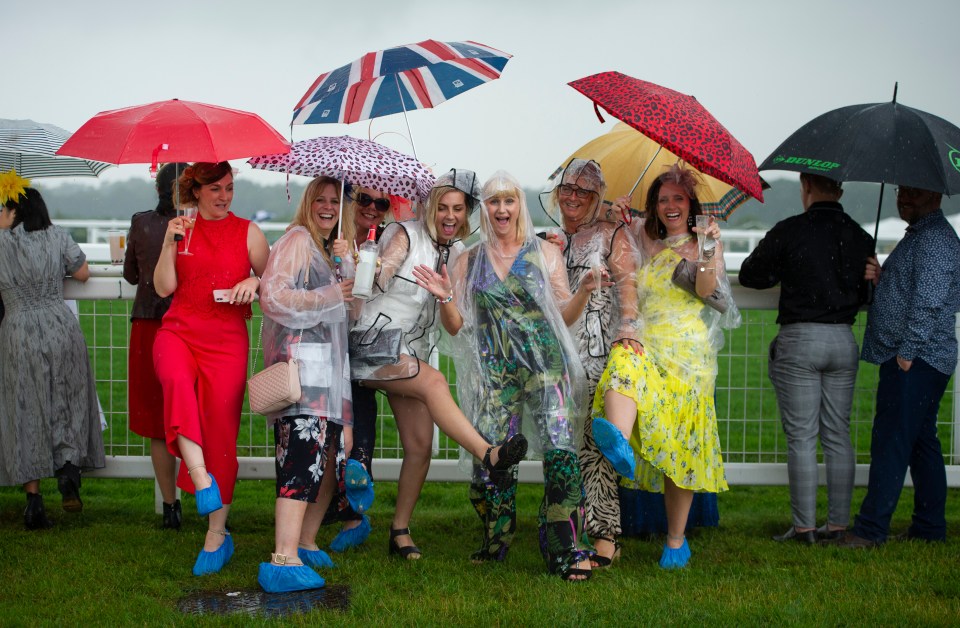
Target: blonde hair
[[433, 205], [307, 219], [521, 233]]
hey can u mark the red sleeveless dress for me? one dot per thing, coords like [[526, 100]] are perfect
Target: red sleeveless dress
[[200, 353]]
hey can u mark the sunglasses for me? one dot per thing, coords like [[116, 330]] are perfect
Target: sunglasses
[[566, 190], [364, 200]]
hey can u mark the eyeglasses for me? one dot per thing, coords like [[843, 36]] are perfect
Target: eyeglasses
[[364, 200], [566, 190]]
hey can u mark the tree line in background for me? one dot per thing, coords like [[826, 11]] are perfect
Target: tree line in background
[[121, 199]]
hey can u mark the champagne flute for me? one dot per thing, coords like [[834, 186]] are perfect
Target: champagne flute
[[189, 216], [704, 243]]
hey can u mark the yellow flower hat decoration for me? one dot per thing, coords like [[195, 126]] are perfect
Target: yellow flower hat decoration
[[12, 186]]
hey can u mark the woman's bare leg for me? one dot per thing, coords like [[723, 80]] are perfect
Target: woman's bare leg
[[621, 411], [677, 501], [431, 388], [313, 516], [416, 435], [165, 468]]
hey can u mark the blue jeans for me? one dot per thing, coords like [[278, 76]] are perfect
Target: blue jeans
[[905, 434]]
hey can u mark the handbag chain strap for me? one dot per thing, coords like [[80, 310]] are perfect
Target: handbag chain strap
[[296, 356]]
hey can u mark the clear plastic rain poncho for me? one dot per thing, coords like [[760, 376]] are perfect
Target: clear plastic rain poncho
[[301, 299], [517, 366], [397, 301], [572, 200]]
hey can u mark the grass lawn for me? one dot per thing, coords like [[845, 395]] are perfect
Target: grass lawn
[[113, 565]]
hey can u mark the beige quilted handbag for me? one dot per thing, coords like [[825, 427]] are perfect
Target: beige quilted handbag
[[277, 386]]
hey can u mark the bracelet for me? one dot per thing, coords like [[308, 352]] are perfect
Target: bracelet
[[709, 253], [704, 269], [446, 300]]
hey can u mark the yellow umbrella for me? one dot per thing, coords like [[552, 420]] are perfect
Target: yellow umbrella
[[631, 161]]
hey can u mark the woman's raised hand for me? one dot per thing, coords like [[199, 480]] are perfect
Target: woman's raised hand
[[437, 284], [175, 227], [340, 248]]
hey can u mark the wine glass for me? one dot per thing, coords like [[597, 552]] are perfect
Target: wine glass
[[189, 216]]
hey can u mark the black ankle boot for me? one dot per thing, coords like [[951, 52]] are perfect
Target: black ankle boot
[[172, 515], [68, 482], [35, 516]]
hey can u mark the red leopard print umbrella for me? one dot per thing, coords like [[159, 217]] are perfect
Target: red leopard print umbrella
[[676, 121]]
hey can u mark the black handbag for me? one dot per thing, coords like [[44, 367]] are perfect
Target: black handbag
[[375, 346], [685, 277]]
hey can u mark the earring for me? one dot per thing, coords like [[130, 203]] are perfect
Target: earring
[[691, 220]]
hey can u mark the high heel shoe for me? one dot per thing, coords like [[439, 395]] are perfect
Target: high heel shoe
[[212, 562], [208, 499], [602, 562], [68, 483], [614, 447], [351, 537], [511, 453], [409, 552], [35, 515], [675, 558], [172, 515], [359, 487], [279, 576]]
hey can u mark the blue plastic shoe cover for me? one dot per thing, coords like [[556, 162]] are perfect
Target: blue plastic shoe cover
[[277, 579], [614, 447], [359, 487], [675, 558], [208, 499], [352, 537], [315, 558], [212, 562]]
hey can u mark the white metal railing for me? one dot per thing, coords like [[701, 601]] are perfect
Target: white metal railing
[[751, 436]]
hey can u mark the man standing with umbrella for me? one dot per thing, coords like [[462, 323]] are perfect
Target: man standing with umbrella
[[911, 334], [818, 258]]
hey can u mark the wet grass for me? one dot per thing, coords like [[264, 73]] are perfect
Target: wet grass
[[112, 565]]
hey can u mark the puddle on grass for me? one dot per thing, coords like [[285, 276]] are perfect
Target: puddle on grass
[[334, 597]]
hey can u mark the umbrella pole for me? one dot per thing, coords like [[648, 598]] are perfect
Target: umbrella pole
[[876, 226], [404, 107], [650, 163]]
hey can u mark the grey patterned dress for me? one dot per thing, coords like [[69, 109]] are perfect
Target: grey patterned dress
[[48, 400]]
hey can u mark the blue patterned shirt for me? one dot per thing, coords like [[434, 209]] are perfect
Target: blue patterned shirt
[[913, 314]]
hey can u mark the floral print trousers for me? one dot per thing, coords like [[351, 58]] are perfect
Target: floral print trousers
[[493, 496]]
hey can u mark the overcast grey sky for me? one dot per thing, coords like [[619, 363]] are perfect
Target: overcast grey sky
[[763, 68]]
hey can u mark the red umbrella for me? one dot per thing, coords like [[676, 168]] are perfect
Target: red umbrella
[[678, 123], [182, 130]]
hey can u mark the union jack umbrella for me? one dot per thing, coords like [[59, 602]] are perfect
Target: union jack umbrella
[[416, 76]]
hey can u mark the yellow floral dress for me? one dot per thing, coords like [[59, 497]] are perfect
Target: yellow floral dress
[[672, 384]]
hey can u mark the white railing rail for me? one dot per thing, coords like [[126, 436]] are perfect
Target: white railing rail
[[129, 459]]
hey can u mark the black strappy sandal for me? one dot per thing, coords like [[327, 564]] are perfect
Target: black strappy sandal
[[602, 562], [403, 552], [511, 453], [569, 574]]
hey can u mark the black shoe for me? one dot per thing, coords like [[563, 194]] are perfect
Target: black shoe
[[511, 453], [807, 538], [172, 515], [68, 482], [35, 515], [825, 535], [409, 552]]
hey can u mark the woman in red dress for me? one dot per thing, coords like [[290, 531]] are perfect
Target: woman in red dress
[[200, 352]]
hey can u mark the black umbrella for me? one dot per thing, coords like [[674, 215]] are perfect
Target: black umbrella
[[878, 143]]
